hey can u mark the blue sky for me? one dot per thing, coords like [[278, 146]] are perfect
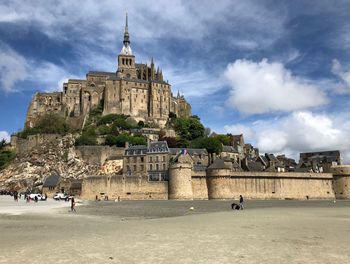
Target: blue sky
[[277, 71]]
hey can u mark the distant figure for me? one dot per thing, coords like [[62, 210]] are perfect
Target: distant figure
[[15, 196], [36, 198], [96, 199], [241, 202], [72, 205]]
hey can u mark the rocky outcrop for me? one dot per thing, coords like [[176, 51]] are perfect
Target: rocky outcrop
[[57, 156]]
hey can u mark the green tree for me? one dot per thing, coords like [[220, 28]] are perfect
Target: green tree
[[88, 137], [189, 128], [6, 156], [212, 145], [224, 139]]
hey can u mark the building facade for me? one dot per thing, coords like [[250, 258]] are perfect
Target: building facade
[[135, 89]]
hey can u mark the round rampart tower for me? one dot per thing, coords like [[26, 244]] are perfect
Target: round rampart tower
[[180, 178], [217, 175], [341, 181]]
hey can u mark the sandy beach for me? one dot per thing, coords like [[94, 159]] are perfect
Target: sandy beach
[[169, 232]]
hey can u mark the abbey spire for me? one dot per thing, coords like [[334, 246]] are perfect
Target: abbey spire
[[126, 50]]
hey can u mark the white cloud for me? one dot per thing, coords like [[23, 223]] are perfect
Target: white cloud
[[238, 129], [5, 135], [343, 75], [12, 68], [261, 87], [302, 131]]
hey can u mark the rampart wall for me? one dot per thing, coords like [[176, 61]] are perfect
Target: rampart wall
[[224, 184], [25, 145], [341, 182], [199, 185], [126, 188], [98, 154]]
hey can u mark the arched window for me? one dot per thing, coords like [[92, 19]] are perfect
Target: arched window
[[150, 167], [123, 61]]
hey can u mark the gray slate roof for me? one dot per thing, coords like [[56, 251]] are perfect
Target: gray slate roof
[[218, 164], [190, 151]]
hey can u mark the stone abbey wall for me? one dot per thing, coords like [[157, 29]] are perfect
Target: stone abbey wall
[[126, 188], [98, 155], [199, 185], [24, 146], [224, 184], [341, 182]]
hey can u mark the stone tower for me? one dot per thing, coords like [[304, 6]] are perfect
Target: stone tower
[[341, 181], [126, 60], [180, 178], [216, 174]]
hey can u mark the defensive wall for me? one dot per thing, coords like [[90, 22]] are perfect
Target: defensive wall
[[199, 185], [225, 184], [124, 188], [341, 181], [24, 146], [98, 154]]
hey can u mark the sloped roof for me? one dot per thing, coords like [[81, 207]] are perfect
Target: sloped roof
[[229, 149], [190, 151], [51, 181], [158, 147], [219, 164], [255, 166]]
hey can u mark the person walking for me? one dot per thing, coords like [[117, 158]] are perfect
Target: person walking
[[241, 201], [72, 205]]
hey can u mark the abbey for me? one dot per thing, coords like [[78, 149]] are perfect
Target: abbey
[[137, 90]]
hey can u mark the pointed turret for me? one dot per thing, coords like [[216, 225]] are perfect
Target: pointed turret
[[152, 70], [126, 41], [126, 50]]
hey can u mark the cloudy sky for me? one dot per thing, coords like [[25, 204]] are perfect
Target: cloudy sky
[[277, 71]]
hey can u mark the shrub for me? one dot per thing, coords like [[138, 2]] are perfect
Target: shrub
[[6, 156]]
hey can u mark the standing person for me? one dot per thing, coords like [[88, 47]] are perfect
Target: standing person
[[72, 205], [241, 200]]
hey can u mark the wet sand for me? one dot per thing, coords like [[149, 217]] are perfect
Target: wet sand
[[168, 232]]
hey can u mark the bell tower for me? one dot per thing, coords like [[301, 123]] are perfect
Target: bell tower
[[126, 61]]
